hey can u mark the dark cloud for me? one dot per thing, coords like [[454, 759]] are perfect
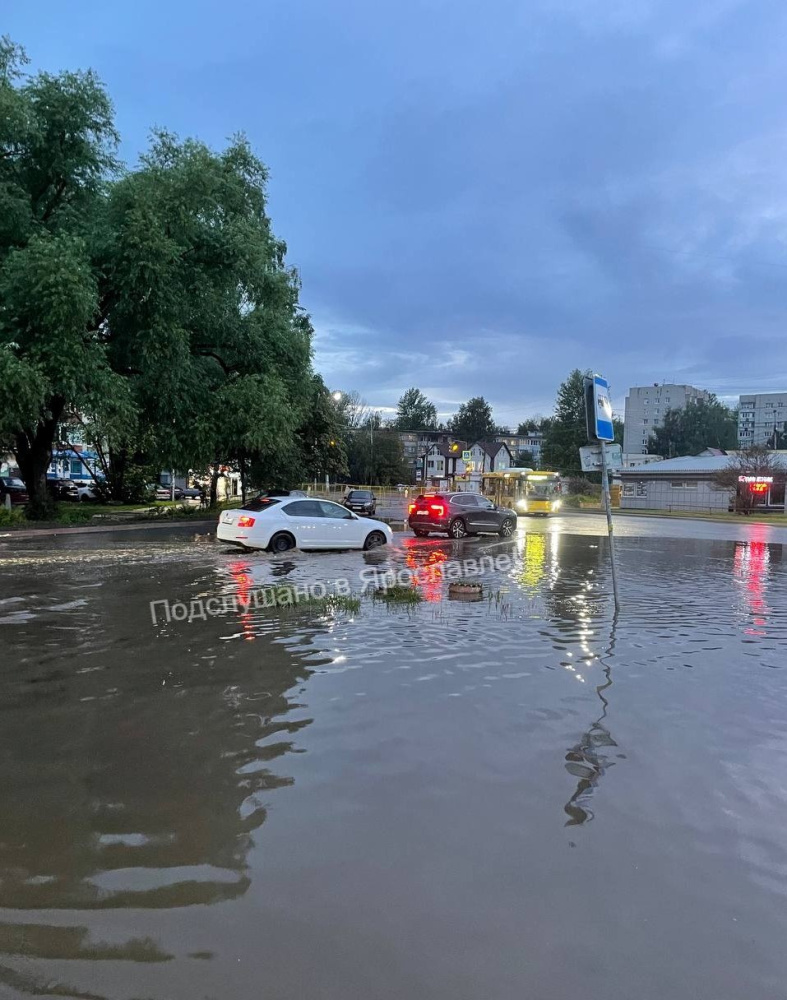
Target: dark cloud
[[481, 197]]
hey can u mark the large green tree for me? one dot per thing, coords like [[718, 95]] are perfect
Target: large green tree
[[567, 430], [203, 314], [415, 412], [473, 421], [154, 305], [323, 436], [695, 427], [57, 146], [376, 457]]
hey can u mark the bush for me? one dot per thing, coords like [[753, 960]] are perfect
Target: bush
[[9, 517], [77, 513], [580, 486]]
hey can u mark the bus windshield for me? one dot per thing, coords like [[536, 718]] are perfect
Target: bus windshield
[[543, 488]]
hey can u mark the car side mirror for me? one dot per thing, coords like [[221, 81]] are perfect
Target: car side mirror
[[349, 516]]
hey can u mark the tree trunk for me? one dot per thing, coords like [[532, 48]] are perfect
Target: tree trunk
[[214, 484], [33, 454]]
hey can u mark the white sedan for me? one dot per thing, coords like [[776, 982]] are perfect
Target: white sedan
[[281, 523]]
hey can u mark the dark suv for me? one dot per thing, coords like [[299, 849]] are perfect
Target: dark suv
[[460, 514], [62, 489], [361, 501]]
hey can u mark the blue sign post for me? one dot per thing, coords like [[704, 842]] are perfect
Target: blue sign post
[[600, 428]]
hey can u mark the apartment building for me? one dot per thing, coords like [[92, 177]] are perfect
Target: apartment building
[[517, 443], [416, 443], [645, 409], [762, 419]]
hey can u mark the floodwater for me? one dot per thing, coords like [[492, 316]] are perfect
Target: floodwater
[[523, 796]]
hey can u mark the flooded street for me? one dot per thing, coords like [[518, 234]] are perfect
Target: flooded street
[[522, 796]]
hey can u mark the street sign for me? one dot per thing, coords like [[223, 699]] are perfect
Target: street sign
[[466, 456], [591, 461], [602, 410]]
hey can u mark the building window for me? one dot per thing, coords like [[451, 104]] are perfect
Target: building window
[[690, 485], [642, 488], [628, 489], [678, 486]]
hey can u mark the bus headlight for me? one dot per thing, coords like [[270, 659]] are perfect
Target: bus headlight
[[521, 504], [556, 505]]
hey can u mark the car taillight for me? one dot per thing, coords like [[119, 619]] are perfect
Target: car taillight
[[438, 508], [245, 522], [411, 508]]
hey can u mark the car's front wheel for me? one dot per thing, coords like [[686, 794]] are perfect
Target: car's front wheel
[[457, 528], [281, 542], [507, 528], [374, 540]]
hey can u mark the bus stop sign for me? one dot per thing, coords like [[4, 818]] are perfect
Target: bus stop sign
[[598, 409]]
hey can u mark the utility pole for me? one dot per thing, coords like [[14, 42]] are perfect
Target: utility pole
[[610, 527]]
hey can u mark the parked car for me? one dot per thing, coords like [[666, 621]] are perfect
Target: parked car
[[190, 493], [281, 523], [89, 493], [361, 501], [14, 488], [62, 489], [460, 514], [166, 492]]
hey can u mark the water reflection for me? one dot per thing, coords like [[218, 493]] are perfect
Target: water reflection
[[134, 778], [588, 760], [750, 569]]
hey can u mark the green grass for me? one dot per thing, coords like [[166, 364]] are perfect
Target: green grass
[[286, 596], [398, 594]]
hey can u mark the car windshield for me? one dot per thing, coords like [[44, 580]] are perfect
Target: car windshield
[[260, 503], [14, 482], [360, 495]]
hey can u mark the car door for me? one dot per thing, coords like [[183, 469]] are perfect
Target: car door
[[346, 530], [304, 518], [464, 504], [483, 514]]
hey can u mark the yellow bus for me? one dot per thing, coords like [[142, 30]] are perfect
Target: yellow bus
[[506, 488], [542, 494]]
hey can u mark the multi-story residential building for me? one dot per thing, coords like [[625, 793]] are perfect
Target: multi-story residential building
[[762, 419], [645, 409], [517, 443], [416, 443]]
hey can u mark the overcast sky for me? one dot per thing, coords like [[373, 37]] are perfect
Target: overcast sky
[[481, 196]]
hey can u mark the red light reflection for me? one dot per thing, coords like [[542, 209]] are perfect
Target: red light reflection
[[426, 564], [750, 567], [243, 585]]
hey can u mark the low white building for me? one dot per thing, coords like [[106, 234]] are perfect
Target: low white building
[[675, 484], [490, 456], [442, 461]]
